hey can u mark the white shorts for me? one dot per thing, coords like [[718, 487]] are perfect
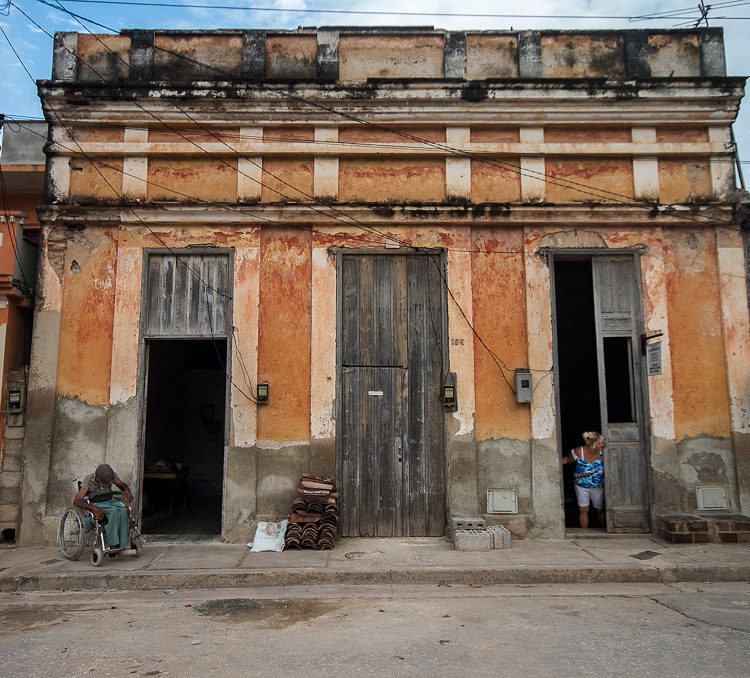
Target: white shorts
[[594, 495]]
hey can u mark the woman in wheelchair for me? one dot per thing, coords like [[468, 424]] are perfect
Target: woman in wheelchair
[[96, 495]]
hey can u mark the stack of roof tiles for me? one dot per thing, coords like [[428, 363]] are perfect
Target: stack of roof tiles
[[315, 514]]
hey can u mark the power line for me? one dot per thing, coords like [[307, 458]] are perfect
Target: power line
[[445, 281], [413, 137], [585, 189], [284, 10], [670, 14]]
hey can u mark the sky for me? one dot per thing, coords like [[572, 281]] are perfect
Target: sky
[[19, 98]]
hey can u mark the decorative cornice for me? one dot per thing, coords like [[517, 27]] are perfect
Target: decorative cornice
[[498, 215]]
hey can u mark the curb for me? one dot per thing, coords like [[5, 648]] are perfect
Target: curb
[[311, 577]]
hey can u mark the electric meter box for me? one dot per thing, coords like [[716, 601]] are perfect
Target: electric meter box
[[524, 387], [16, 401]]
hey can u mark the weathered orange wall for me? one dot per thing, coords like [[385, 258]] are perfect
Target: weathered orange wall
[[497, 179], [575, 134], [701, 396], [614, 176], [221, 54], [385, 180], [209, 135], [95, 180], [681, 135], [185, 179], [286, 179], [86, 319], [290, 56], [384, 135], [26, 203], [583, 56], [684, 180], [499, 317], [284, 333], [491, 56], [99, 133], [390, 56], [103, 55]]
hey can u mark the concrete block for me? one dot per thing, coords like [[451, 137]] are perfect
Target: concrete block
[[516, 524], [10, 479], [466, 523], [12, 462], [473, 540], [500, 537], [15, 433], [9, 513]]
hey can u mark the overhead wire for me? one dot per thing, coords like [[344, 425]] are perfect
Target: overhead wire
[[580, 187], [400, 133], [546, 177], [668, 14], [455, 301]]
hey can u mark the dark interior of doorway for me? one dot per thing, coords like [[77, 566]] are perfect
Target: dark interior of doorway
[[183, 470], [577, 368]]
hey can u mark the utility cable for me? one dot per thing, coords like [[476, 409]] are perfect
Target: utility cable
[[547, 178], [443, 148]]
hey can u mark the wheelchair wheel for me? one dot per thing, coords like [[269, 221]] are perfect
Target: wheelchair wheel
[[137, 544], [71, 536], [97, 557]]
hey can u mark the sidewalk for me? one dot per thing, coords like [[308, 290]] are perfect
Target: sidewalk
[[206, 564]]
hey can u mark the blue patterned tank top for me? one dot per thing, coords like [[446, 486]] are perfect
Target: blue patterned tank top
[[588, 473]]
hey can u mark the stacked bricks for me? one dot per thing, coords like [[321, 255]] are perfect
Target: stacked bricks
[[683, 529], [315, 514], [729, 528], [718, 528]]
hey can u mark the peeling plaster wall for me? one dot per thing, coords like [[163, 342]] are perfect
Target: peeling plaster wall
[[629, 138]]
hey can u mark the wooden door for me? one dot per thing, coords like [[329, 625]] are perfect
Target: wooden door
[[618, 322], [390, 453]]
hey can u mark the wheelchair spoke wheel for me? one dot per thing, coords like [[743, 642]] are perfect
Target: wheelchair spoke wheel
[[71, 536]]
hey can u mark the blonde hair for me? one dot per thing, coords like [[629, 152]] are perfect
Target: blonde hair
[[592, 438]]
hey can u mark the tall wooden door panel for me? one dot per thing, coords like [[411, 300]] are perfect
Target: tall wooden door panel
[[391, 438], [373, 444], [617, 314]]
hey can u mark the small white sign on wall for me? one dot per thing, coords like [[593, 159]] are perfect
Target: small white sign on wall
[[653, 358]]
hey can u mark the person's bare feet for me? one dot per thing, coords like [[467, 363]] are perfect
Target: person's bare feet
[[127, 552]]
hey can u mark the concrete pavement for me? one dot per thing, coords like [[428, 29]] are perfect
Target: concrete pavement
[[208, 564]]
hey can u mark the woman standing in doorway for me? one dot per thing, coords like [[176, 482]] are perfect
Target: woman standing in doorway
[[589, 476]]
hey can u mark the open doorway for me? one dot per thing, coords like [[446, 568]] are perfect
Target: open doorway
[[578, 371], [183, 464]]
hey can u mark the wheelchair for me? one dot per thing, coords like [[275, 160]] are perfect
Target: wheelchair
[[79, 530]]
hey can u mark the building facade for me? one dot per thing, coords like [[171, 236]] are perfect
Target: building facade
[[21, 183], [420, 261]]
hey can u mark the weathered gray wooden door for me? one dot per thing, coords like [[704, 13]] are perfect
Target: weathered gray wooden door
[[618, 321], [390, 454]]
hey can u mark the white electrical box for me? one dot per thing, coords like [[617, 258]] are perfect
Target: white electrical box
[[524, 387], [712, 497], [502, 500]]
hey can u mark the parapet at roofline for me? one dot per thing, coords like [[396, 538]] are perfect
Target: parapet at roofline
[[347, 55]]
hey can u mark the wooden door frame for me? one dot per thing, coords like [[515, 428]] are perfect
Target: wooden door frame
[[143, 362], [640, 389], [339, 253]]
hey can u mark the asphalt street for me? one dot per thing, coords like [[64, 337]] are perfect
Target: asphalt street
[[681, 629]]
